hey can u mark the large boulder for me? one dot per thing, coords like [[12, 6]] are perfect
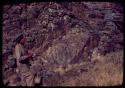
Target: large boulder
[[64, 51]]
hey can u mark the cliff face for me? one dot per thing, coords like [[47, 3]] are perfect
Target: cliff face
[[79, 43]]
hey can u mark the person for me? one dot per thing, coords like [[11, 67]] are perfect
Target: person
[[22, 61]]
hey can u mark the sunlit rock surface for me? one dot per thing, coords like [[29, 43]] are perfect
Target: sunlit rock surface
[[76, 43]]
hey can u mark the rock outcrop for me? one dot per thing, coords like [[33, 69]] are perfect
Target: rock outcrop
[[69, 39]]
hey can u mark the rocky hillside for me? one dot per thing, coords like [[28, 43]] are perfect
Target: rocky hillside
[[76, 43]]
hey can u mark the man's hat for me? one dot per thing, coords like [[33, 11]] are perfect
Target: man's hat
[[19, 37]]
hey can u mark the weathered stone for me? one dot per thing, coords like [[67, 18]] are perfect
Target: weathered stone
[[11, 62], [63, 53], [67, 35]]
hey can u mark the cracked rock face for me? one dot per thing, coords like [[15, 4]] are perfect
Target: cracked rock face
[[72, 42], [63, 51]]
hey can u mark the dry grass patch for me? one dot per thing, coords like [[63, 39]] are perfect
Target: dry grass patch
[[107, 73]]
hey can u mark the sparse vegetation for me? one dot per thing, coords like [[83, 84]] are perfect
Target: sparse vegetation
[[75, 43]]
